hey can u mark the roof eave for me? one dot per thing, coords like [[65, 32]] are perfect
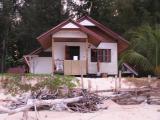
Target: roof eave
[[104, 28], [49, 33]]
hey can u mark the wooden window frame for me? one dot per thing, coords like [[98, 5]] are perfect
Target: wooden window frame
[[101, 55]]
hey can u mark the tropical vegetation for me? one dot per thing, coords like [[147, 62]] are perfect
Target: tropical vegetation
[[15, 83], [21, 21], [144, 52]]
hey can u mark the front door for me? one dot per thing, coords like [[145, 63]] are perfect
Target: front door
[[72, 52]]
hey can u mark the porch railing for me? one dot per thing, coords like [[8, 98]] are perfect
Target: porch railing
[[74, 67], [71, 67]]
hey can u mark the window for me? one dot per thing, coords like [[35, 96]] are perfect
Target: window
[[71, 51], [93, 55], [101, 55]]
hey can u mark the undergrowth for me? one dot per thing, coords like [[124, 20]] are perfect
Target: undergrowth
[[16, 84]]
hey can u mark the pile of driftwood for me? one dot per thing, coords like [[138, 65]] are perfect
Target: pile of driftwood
[[137, 95], [89, 103], [83, 101], [78, 100]]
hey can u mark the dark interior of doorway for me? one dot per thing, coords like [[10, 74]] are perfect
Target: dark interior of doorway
[[71, 51]]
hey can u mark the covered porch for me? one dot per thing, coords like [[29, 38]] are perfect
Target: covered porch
[[70, 55]]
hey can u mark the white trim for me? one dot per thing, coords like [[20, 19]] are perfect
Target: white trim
[[87, 23], [70, 25], [105, 67], [70, 34]]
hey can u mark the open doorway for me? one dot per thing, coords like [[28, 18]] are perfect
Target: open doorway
[[71, 51]]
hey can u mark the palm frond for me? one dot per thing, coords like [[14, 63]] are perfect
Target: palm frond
[[134, 58], [146, 41]]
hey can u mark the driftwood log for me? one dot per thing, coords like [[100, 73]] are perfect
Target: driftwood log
[[35, 102], [137, 96], [84, 101]]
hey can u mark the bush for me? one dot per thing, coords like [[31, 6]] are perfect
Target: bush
[[14, 83]]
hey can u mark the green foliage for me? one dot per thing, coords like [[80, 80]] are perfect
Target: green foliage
[[58, 82], [6, 26], [138, 61], [18, 84], [12, 83], [145, 47], [11, 62], [37, 16], [149, 37], [69, 81], [119, 15]]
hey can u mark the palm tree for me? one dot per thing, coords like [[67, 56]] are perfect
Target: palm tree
[[144, 51]]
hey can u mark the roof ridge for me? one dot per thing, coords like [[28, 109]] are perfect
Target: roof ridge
[[63, 22], [102, 27], [80, 27]]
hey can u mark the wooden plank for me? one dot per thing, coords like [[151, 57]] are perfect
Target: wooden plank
[[81, 67], [74, 67], [86, 55], [115, 83], [120, 77], [53, 62], [84, 67], [67, 67], [27, 61]]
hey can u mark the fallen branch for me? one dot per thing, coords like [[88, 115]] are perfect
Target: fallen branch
[[35, 102]]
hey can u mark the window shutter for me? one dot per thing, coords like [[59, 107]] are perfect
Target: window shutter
[[108, 55], [94, 55], [100, 55], [67, 57], [104, 55]]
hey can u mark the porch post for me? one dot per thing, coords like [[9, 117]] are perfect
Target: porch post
[[53, 62], [87, 55]]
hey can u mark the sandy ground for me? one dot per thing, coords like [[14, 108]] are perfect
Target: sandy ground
[[114, 111], [105, 83]]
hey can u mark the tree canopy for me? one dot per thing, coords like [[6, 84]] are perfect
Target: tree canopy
[[23, 21]]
